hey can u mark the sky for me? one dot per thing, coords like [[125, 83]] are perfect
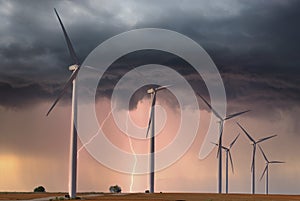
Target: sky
[[254, 45]]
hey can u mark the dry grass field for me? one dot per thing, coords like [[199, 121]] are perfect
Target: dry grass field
[[26, 196], [156, 197], [194, 197]]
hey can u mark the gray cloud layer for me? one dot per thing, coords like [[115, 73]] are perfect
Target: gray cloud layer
[[253, 43]]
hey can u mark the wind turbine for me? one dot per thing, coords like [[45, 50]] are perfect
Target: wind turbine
[[221, 123], [254, 143], [266, 170], [152, 92], [228, 156], [73, 142]]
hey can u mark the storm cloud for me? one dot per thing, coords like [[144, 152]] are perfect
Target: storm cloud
[[253, 44]]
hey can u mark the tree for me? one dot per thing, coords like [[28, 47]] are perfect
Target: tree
[[115, 189], [39, 189]]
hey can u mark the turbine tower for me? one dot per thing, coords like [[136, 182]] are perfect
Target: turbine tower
[[228, 156], [73, 137], [254, 143], [152, 92], [221, 123], [266, 170]]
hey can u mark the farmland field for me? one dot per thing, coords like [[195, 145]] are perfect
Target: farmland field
[[155, 197]]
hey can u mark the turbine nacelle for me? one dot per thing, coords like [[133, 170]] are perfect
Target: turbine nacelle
[[154, 90], [73, 67], [151, 91]]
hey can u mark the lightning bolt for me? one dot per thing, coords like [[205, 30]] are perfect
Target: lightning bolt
[[133, 152], [97, 133], [129, 139], [100, 128]]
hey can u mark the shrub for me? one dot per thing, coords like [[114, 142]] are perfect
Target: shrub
[[39, 189], [115, 189]]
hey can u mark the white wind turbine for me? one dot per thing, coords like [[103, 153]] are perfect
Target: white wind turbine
[[73, 141], [228, 156], [221, 123], [254, 143], [153, 92], [266, 170]]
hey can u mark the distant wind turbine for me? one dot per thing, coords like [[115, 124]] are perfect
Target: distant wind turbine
[[254, 143], [221, 123], [266, 170], [228, 156], [153, 92], [73, 144]]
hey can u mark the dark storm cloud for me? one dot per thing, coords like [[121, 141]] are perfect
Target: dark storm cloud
[[33, 51], [253, 43]]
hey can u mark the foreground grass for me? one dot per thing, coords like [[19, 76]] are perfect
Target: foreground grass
[[156, 197]]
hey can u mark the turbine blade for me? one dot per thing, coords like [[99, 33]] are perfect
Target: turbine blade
[[276, 162], [236, 114], [92, 68], [210, 107], [214, 143], [68, 83], [153, 100], [222, 147], [70, 46], [232, 143], [149, 123], [231, 162], [266, 138], [253, 157], [218, 147], [225, 148], [138, 72], [151, 113], [220, 137], [162, 87], [263, 153], [248, 135], [263, 172]]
